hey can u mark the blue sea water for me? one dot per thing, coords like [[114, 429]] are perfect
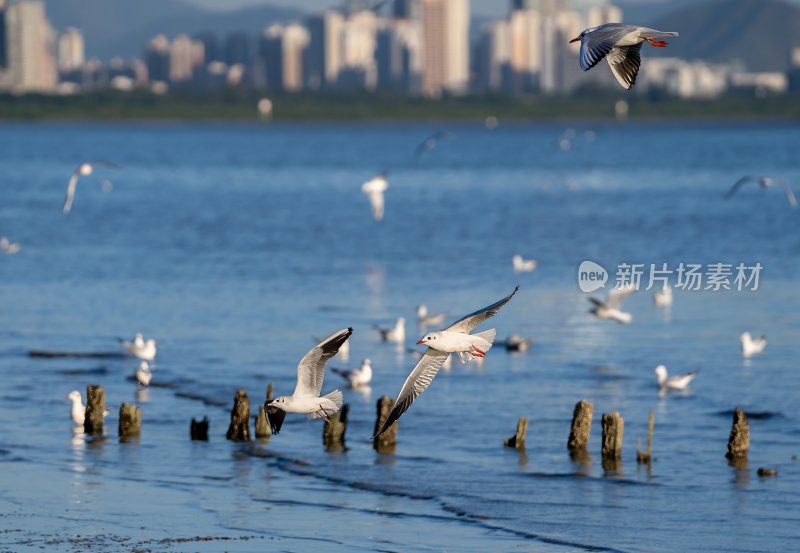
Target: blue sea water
[[233, 245]]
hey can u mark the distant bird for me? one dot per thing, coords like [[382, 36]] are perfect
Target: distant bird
[[764, 182], [610, 309], [424, 319], [82, 170], [357, 377], [523, 265], [619, 43], [663, 297], [454, 339], [139, 347], [310, 375], [78, 411], [515, 342], [431, 142], [666, 382], [374, 189], [9, 247], [143, 374], [395, 334], [752, 346]]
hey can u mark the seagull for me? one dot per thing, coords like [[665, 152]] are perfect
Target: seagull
[[310, 374], [619, 43], [143, 374], [523, 265], [663, 297], [8, 247], [82, 170], [141, 348], [455, 338], [78, 411], [611, 308], [344, 349], [395, 334], [424, 320], [515, 342], [752, 346], [764, 182], [447, 365], [666, 382], [431, 142], [374, 189], [357, 377]]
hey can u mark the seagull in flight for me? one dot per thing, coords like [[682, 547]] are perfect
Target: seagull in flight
[[82, 170], [666, 382], [764, 182], [431, 142], [310, 374], [752, 346], [139, 347], [356, 377], [455, 338], [620, 44], [610, 309], [523, 265], [374, 189]]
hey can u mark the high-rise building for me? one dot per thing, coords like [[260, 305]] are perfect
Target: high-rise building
[[3, 41], [156, 57], [525, 56], [445, 25], [210, 46], [399, 56], [358, 50], [323, 59], [184, 55], [238, 49], [281, 51], [30, 43], [70, 50], [494, 55], [406, 9]]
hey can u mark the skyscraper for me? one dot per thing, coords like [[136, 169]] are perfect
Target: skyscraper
[[70, 50], [156, 57], [399, 56], [406, 9], [184, 55], [323, 59], [281, 51], [3, 38], [445, 26], [31, 63]]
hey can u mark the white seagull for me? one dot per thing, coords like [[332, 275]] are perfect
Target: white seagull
[[523, 265], [764, 182], [454, 339], [78, 411], [666, 382], [82, 170], [395, 334], [515, 342], [424, 319], [610, 309], [374, 189], [663, 297], [310, 374], [143, 374], [356, 377], [619, 43], [139, 347], [8, 247], [752, 346], [447, 365]]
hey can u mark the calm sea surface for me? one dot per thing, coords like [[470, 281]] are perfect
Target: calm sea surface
[[233, 245]]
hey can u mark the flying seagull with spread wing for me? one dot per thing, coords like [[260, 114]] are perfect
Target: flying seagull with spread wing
[[82, 170], [764, 182]]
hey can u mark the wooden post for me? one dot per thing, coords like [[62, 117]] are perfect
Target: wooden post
[[268, 395], [239, 429], [613, 428], [739, 440], [199, 429], [95, 410], [581, 426], [518, 439], [130, 420], [263, 429], [386, 442], [333, 431], [646, 457]]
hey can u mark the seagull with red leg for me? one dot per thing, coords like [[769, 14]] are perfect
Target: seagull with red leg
[[620, 44]]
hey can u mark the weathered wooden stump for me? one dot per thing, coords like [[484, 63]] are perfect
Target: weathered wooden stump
[[263, 429], [739, 440], [646, 457], [518, 439], [581, 426], [95, 410], [199, 429], [333, 431], [386, 442], [130, 420], [268, 395], [239, 429], [613, 428], [765, 472]]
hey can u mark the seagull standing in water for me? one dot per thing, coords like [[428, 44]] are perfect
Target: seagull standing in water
[[424, 319], [666, 382], [663, 297], [620, 44], [143, 374], [310, 374], [454, 339], [139, 347], [752, 346], [357, 377], [374, 189], [396, 334], [764, 182], [9, 247], [610, 309], [78, 410], [82, 170]]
